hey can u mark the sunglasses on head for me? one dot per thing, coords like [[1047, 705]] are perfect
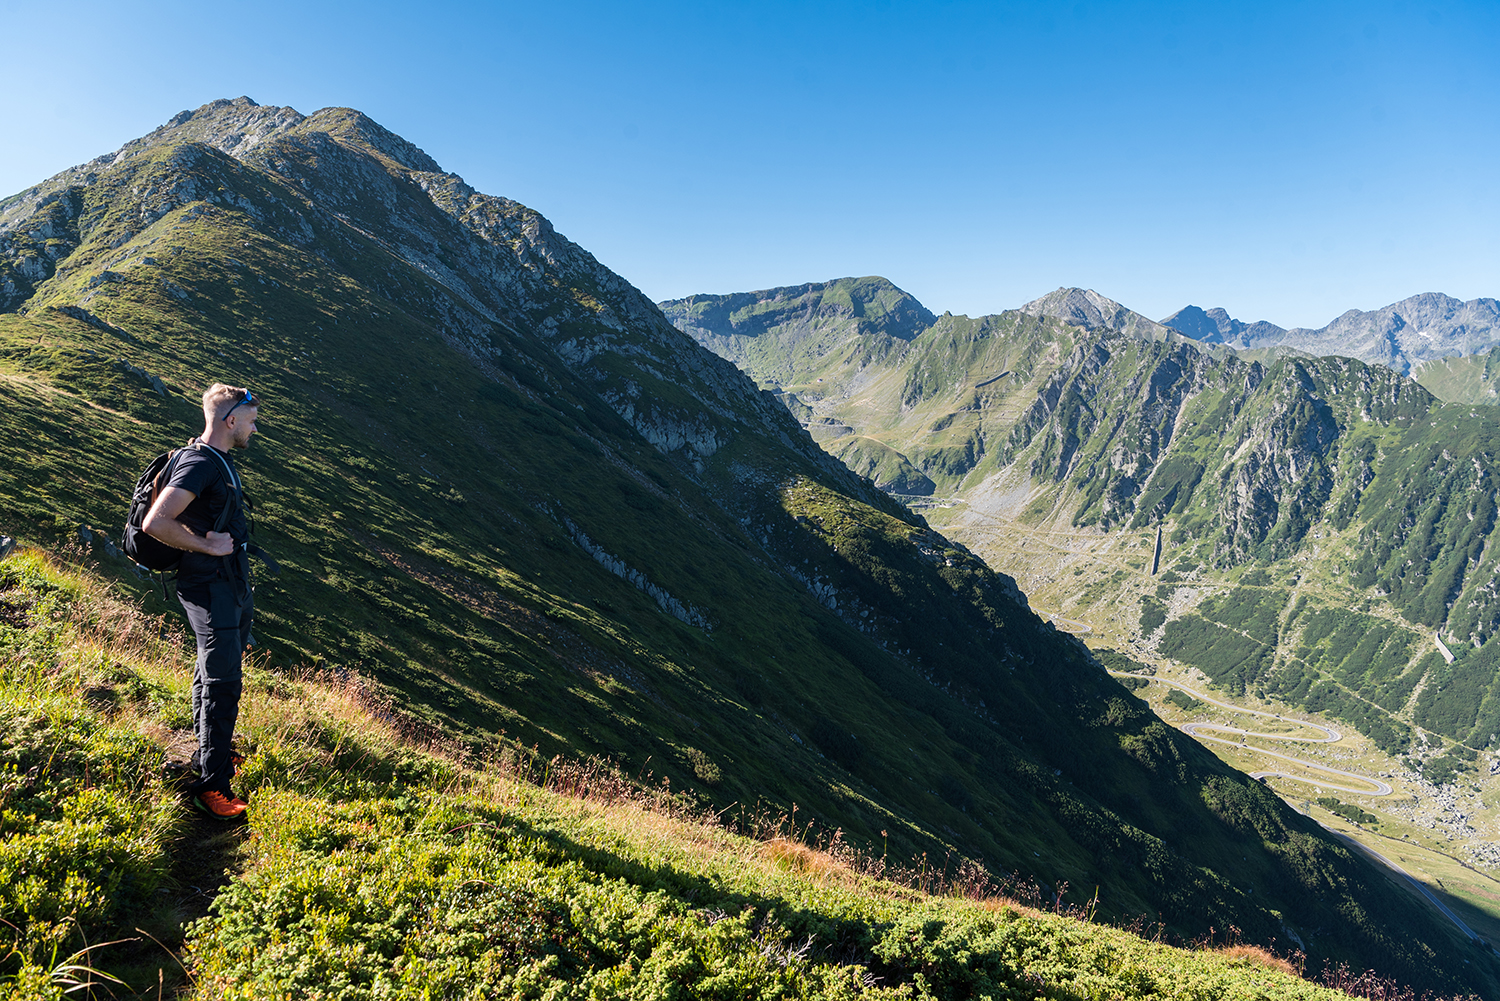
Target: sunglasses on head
[[248, 400]]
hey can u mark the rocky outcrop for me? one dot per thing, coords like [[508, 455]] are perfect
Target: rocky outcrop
[[1106, 429], [1279, 481]]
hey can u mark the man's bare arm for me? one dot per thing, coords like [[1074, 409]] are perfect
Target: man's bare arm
[[161, 524]]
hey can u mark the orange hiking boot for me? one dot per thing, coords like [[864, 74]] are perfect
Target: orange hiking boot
[[219, 806]]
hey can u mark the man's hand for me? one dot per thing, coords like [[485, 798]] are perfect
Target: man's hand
[[218, 544]]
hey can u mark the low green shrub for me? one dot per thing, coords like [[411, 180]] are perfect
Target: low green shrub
[[84, 825], [1185, 701], [1347, 810]]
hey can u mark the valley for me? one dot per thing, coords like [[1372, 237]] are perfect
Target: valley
[[1226, 524], [1447, 837], [1453, 828], [1097, 586]]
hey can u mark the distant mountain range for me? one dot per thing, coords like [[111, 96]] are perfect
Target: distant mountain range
[[1400, 336]]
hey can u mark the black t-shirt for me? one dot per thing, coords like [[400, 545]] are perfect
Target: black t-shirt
[[199, 470]]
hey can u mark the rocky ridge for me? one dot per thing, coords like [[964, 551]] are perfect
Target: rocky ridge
[[1086, 308], [1401, 336]]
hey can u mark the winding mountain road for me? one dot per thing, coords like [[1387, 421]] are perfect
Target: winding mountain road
[[1329, 736], [1409, 880], [1067, 625]]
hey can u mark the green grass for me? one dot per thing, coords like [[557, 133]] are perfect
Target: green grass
[[1471, 379], [375, 866]]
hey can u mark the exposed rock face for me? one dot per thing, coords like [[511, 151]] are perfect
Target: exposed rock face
[[1282, 481], [1404, 334], [1086, 308]]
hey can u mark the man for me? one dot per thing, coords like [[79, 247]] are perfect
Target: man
[[213, 581]]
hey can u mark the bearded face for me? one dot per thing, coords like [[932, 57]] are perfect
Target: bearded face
[[244, 427]]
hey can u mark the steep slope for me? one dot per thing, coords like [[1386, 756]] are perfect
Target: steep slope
[[1405, 334], [383, 867], [503, 484]]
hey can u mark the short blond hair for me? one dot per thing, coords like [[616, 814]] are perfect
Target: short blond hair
[[219, 398]]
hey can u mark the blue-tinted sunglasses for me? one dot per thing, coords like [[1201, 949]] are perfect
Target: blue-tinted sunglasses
[[249, 399]]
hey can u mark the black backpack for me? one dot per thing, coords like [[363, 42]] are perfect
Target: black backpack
[[153, 554]]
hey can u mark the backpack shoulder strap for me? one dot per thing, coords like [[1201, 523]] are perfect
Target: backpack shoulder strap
[[230, 480]]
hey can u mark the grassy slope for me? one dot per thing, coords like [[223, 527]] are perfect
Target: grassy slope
[[1470, 379], [373, 867], [429, 539], [807, 323]]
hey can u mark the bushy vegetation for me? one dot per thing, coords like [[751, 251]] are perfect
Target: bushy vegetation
[[1229, 657], [1462, 700], [1153, 614], [1429, 513], [1349, 811], [1184, 701], [85, 825], [1231, 638], [1349, 665], [376, 867]]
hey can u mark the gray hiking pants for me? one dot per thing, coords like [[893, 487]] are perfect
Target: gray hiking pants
[[221, 620]]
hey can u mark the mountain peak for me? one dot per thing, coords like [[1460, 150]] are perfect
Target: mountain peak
[[231, 125], [870, 303], [1079, 307], [1211, 326]]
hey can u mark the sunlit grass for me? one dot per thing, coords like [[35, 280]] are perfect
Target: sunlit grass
[[382, 860]]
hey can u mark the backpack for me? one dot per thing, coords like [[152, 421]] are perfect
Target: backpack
[[149, 553]]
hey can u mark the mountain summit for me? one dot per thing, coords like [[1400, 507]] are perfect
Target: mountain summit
[[1086, 308], [788, 329], [1216, 326]]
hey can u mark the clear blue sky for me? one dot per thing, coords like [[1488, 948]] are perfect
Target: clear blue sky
[[1284, 160]]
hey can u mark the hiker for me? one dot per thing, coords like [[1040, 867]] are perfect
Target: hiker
[[213, 582]]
